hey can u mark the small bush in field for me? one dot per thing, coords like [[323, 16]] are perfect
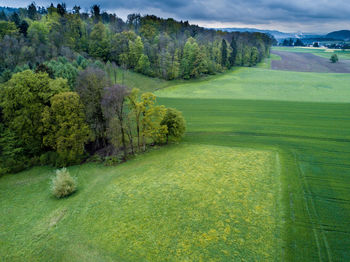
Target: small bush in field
[[334, 58], [63, 184]]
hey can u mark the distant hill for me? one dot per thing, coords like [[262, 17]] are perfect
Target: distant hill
[[280, 36], [277, 34], [339, 35], [8, 10]]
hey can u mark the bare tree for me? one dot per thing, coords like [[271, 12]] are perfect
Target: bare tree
[[113, 105], [90, 87]]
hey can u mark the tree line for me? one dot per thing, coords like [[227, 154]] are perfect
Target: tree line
[[148, 44], [60, 102], [45, 121]]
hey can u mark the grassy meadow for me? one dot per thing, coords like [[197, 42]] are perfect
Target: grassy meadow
[[263, 174], [313, 142], [183, 202], [264, 84]]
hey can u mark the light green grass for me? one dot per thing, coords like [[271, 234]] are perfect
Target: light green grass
[[266, 63], [264, 84], [160, 206], [316, 51], [186, 202], [135, 80]]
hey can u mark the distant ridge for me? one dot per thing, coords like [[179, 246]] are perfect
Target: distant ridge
[[275, 33], [340, 35], [336, 35], [8, 10]]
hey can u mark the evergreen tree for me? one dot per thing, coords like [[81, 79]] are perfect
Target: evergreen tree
[[23, 28], [233, 54], [32, 12], [224, 53], [3, 16], [15, 18]]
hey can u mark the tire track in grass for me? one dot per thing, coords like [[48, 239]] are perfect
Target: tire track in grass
[[307, 192]]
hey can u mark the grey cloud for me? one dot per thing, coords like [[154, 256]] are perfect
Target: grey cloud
[[310, 13]]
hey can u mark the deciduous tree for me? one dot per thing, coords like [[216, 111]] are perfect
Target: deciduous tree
[[65, 128], [175, 123]]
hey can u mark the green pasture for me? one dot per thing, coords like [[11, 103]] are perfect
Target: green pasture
[[265, 84], [183, 202], [263, 174], [135, 80], [316, 51], [313, 141]]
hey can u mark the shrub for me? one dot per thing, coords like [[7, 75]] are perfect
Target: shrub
[[175, 123], [334, 58], [112, 161], [63, 184]]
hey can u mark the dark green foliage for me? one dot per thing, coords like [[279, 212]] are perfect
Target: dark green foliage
[[288, 42], [49, 158], [15, 18], [224, 53], [334, 58], [76, 9], [99, 44], [32, 14], [3, 16], [67, 50], [42, 68], [61, 9], [23, 27], [95, 11], [64, 69], [233, 54], [25, 97], [5, 76], [12, 155], [23, 100], [90, 85], [298, 42], [175, 123], [147, 44], [65, 129]]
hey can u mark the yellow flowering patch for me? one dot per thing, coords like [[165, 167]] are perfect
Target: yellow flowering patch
[[192, 203]]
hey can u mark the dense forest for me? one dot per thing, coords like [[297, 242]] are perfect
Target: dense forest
[[147, 44], [59, 98]]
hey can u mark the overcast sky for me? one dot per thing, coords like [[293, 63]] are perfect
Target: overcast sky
[[318, 16]]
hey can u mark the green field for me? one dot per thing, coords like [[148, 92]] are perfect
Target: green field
[[263, 174], [316, 51], [185, 202], [313, 141], [265, 84]]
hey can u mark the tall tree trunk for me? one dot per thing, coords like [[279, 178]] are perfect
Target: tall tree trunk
[[123, 139], [138, 135], [121, 122]]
